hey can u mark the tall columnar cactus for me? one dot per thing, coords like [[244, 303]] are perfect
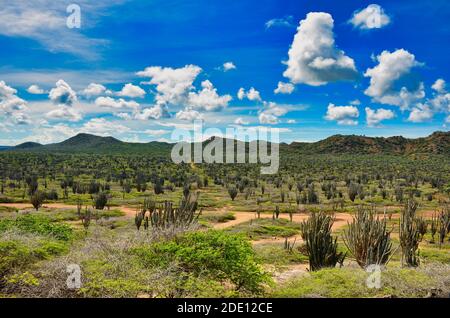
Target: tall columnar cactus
[[167, 216], [444, 224], [321, 247], [368, 239], [409, 234]]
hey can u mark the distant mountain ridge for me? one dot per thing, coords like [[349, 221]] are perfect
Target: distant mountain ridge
[[436, 143]]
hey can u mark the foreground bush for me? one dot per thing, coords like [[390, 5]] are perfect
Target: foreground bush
[[213, 254], [351, 282], [37, 224]]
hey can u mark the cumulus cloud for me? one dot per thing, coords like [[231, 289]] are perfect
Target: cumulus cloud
[[64, 113], [240, 121], [252, 94], [280, 22], [115, 103], [228, 66], [35, 89], [386, 79], [420, 113], [130, 90], [313, 57], [284, 88], [94, 89], [188, 115], [270, 114], [172, 84], [12, 105], [439, 85], [343, 115], [154, 112], [375, 117], [208, 99], [372, 17], [62, 94]]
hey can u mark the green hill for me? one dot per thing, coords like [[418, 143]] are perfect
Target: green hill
[[436, 143]]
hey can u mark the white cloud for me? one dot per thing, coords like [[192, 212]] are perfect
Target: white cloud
[[228, 66], [420, 113], [447, 120], [375, 117], [100, 126], [240, 121], [94, 89], [344, 115], [154, 112], [64, 112], [5, 90], [115, 103], [208, 99], [130, 90], [156, 132], [284, 88], [280, 22], [35, 89], [372, 17], [270, 114], [44, 21], [439, 85], [313, 57], [172, 85], [385, 77], [62, 94], [12, 105], [291, 121], [355, 102], [189, 115], [252, 94]]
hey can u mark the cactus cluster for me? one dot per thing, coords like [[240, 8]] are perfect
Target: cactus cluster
[[368, 239], [321, 247], [410, 234]]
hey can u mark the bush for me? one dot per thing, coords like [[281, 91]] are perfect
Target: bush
[[37, 224], [37, 199], [214, 254], [100, 201]]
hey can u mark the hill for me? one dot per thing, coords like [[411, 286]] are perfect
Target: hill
[[436, 143]]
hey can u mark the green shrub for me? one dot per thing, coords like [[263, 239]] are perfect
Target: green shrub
[[213, 254], [37, 224]]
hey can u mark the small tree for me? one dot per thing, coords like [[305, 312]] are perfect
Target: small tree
[[100, 201], [232, 191], [321, 247], [37, 199]]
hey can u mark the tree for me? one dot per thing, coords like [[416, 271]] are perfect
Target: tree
[[37, 199]]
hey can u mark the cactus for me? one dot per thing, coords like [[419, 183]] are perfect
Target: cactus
[[138, 218], [86, 218], [368, 239], [422, 226], [433, 227], [321, 247], [232, 191], [409, 234], [289, 246], [166, 216], [444, 224]]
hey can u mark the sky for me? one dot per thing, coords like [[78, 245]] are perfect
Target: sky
[[138, 70]]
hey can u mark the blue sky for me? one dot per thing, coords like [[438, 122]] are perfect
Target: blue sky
[[137, 70]]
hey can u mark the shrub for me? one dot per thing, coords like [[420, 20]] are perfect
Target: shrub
[[320, 245], [232, 191], [367, 239], [213, 254], [37, 199], [100, 201], [37, 224]]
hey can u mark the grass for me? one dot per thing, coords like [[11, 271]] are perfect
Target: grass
[[274, 253], [351, 282], [266, 228], [217, 217]]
